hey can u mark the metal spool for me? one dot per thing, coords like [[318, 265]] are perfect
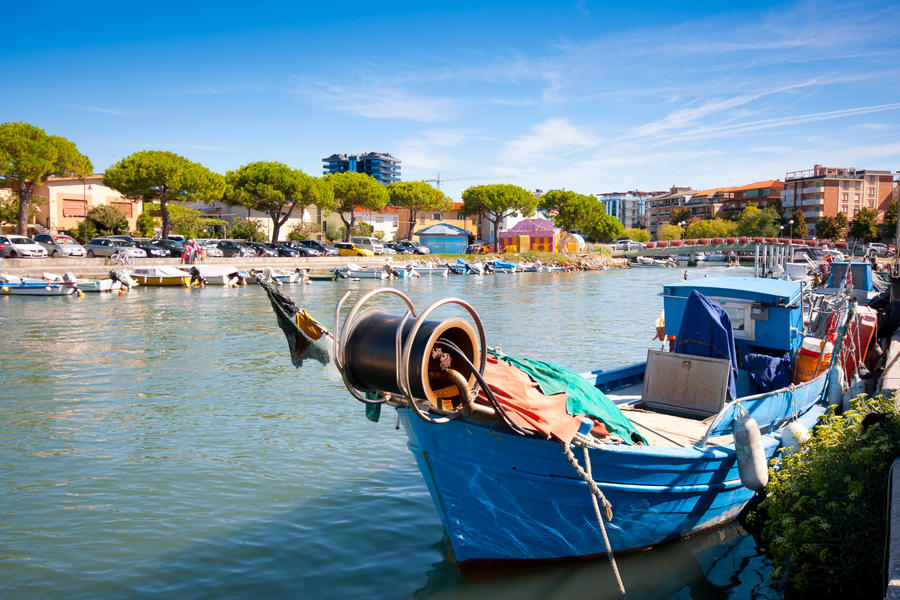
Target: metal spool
[[370, 355]]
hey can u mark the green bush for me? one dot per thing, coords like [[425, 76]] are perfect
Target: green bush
[[247, 229], [303, 231], [146, 224], [825, 506]]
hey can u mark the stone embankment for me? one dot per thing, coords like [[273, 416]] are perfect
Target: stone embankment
[[98, 267]]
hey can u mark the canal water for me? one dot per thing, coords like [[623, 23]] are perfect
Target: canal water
[[160, 444]]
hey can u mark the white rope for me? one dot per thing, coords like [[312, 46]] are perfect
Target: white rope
[[607, 507]]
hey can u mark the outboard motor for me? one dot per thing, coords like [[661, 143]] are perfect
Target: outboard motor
[[196, 277]]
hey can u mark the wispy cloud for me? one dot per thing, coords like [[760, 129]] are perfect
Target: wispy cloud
[[107, 111], [547, 140], [373, 98]]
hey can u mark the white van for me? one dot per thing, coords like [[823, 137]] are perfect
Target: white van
[[369, 243]]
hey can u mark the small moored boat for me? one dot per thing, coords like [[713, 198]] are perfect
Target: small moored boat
[[162, 275]]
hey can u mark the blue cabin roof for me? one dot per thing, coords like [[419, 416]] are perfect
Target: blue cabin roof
[[775, 292]]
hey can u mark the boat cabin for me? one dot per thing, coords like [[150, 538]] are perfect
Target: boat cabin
[[704, 374], [860, 274], [765, 313]]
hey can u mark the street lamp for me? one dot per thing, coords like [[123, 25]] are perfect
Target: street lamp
[[791, 222], [682, 224]]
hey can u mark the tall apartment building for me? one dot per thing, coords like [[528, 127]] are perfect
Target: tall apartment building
[[630, 208], [382, 166], [826, 191], [759, 194], [660, 207]]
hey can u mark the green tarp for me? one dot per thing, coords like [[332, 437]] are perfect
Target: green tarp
[[583, 398]]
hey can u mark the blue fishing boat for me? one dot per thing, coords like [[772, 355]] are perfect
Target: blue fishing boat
[[528, 461]]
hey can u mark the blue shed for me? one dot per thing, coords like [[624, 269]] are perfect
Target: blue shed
[[444, 239]]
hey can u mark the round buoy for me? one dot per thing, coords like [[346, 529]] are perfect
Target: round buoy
[[4, 288], [751, 457]]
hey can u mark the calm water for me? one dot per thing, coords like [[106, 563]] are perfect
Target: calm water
[[160, 444]]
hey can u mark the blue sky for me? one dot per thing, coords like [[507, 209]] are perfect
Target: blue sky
[[587, 96]]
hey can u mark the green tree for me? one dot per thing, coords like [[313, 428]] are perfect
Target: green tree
[[711, 228], [759, 222], [831, 228], [497, 201], [9, 209], [638, 235], [678, 215], [571, 211], [247, 229], [798, 230], [108, 220], [417, 196], [667, 231], [605, 228], [146, 223], [355, 190], [864, 226], [28, 157], [276, 189], [889, 222], [164, 176]]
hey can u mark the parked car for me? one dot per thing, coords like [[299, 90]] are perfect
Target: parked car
[[876, 249], [232, 248], [301, 249], [103, 246], [173, 247], [396, 247], [152, 249], [414, 247], [19, 246], [627, 244], [211, 249], [325, 248], [263, 249], [60, 245], [369, 243], [281, 249], [351, 249]]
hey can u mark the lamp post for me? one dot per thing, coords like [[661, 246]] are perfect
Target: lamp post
[[791, 232], [683, 232]]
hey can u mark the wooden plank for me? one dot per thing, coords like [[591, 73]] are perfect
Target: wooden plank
[[685, 383]]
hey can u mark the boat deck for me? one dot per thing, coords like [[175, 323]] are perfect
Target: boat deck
[[663, 429]]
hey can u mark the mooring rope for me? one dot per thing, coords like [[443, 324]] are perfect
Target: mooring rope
[[607, 507]]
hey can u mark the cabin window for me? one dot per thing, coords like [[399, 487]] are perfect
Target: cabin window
[[739, 313]]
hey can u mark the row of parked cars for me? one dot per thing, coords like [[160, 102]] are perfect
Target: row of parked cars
[[64, 246]]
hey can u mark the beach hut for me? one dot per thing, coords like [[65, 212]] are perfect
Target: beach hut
[[444, 239], [530, 234]]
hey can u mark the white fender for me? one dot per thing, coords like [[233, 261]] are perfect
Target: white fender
[[835, 386], [792, 436], [750, 455]]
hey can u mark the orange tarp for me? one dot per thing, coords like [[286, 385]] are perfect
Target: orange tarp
[[526, 405]]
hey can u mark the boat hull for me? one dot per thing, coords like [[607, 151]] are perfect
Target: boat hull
[[152, 281], [36, 289], [503, 498]]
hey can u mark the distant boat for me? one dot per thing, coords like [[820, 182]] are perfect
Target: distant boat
[[354, 271], [161, 275], [503, 266], [13, 285]]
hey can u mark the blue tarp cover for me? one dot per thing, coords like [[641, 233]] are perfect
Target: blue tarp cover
[[706, 331]]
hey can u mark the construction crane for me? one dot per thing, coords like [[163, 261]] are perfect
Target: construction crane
[[437, 180]]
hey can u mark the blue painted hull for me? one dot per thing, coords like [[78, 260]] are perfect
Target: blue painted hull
[[506, 498]]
